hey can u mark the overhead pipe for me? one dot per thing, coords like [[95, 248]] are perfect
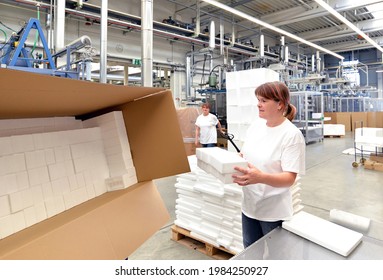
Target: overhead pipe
[[212, 35], [103, 41], [262, 46], [77, 44], [147, 42], [124, 24], [60, 24], [197, 29], [313, 63]]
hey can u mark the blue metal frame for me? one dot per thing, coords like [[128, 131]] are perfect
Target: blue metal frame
[[33, 23]]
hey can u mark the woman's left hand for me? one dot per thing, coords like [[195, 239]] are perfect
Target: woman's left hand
[[250, 175]]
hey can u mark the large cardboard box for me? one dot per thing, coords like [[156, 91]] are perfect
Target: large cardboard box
[[115, 224], [340, 118], [375, 119], [358, 119]]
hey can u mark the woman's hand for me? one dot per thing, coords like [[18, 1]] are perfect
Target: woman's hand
[[250, 175]]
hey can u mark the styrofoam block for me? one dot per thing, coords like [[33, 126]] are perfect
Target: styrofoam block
[[349, 220], [27, 198], [16, 162], [233, 202], [298, 208], [90, 191], [6, 227], [40, 211], [49, 156], [120, 182], [324, 233], [233, 188], [204, 234], [189, 217], [5, 208], [22, 143], [73, 184], [182, 208], [38, 176], [212, 199], [232, 97], [3, 166], [80, 180], [60, 186], [222, 160], [47, 190], [18, 221], [209, 190], [190, 204], [16, 202], [54, 206], [100, 170], [5, 146], [99, 187], [57, 171], [37, 194], [8, 184], [35, 159], [62, 153], [30, 216], [81, 164], [22, 180], [80, 195]]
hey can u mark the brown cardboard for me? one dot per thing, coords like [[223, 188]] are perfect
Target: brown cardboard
[[358, 119], [379, 119], [371, 119], [340, 118], [377, 158], [112, 225]]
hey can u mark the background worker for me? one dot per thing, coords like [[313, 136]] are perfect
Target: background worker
[[206, 128]]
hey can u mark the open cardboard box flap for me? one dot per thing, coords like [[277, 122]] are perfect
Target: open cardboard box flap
[[115, 224]]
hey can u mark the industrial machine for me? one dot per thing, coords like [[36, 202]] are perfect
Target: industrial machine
[[16, 55]]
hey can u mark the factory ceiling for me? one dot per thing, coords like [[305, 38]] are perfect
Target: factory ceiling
[[303, 18]]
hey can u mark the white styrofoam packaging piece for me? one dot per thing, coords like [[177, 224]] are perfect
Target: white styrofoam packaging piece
[[349, 220], [324, 233]]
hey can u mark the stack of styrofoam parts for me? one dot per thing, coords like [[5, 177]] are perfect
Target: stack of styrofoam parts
[[295, 190], [209, 209], [219, 162]]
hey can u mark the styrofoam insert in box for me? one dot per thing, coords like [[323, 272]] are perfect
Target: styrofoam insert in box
[[322, 232]]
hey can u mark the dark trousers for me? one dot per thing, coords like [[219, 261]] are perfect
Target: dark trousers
[[208, 145], [253, 229]]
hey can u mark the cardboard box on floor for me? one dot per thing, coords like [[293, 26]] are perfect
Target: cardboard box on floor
[[115, 224]]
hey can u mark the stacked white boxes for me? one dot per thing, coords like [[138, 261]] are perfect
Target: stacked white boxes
[[207, 207], [117, 149], [56, 166], [241, 103]]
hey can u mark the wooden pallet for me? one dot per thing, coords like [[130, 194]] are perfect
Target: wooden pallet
[[184, 237]]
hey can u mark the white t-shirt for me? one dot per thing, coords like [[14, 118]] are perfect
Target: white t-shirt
[[272, 150], [208, 130]]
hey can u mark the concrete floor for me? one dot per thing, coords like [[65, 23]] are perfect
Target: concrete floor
[[330, 183]]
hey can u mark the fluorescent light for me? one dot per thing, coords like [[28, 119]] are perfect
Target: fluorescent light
[[348, 23], [269, 26], [379, 71]]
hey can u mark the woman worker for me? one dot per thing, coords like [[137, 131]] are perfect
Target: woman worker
[[275, 150], [206, 131]]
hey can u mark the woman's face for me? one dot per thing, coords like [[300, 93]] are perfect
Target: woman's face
[[205, 110], [268, 108]]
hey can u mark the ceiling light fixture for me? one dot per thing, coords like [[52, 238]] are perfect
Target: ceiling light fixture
[[348, 23], [269, 26]]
